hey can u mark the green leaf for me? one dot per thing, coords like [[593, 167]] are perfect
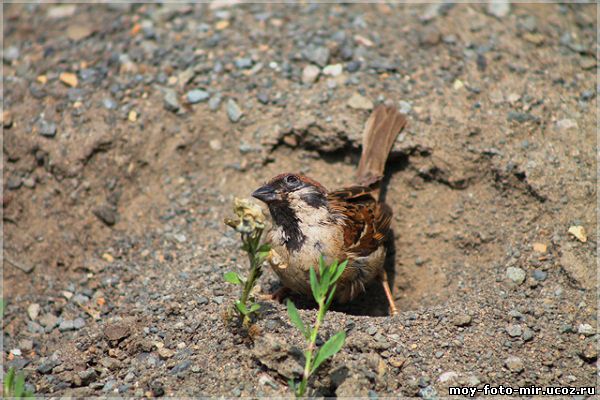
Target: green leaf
[[332, 346], [262, 255], [241, 307], [339, 270], [330, 298], [8, 380], [232, 277], [314, 285], [321, 264], [19, 385], [254, 307], [296, 319]]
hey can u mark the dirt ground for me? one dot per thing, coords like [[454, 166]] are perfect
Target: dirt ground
[[124, 146]]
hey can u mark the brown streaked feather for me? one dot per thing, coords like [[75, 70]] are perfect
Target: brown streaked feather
[[380, 133], [366, 221]]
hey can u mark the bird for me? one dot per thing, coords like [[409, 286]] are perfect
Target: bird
[[351, 223]]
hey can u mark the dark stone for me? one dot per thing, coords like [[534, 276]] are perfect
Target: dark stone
[[107, 214]]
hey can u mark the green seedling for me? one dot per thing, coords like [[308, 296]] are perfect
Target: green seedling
[[323, 290], [14, 385], [250, 223]]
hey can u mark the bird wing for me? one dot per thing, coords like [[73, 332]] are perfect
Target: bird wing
[[365, 221]]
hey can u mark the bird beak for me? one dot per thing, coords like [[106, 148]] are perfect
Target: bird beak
[[265, 193]]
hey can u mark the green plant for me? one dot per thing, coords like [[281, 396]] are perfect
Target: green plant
[[250, 223], [14, 385], [323, 290]]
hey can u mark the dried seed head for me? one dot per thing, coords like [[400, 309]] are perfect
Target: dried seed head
[[248, 217]]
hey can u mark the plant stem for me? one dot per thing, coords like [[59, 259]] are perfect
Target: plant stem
[[253, 242], [311, 348]]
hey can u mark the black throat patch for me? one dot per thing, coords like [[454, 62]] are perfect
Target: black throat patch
[[286, 218]]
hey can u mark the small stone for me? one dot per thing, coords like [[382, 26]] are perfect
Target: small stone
[[539, 275], [78, 323], [405, 107], [527, 334], [197, 96], [88, 376], [359, 102], [428, 393], [16, 352], [11, 54], [132, 116], [61, 11], [462, 319], [430, 36], [540, 248], [589, 352], [26, 344], [586, 330], [514, 364], [243, 63], [66, 325], [116, 331], [587, 62], [513, 98], [498, 8], [566, 124], [496, 96], [221, 25], [14, 182], [215, 144], [109, 104], [263, 97], [515, 274], [447, 376], [534, 38], [234, 112], [7, 119], [333, 70], [45, 128], [165, 353], [353, 66], [49, 321], [372, 330], [170, 101], [181, 367], [520, 117], [310, 73], [77, 32], [514, 330], [46, 366], [215, 102], [106, 214], [579, 233], [317, 55], [68, 79]]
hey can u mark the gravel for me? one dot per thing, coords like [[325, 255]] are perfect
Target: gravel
[[197, 96], [234, 112], [516, 275]]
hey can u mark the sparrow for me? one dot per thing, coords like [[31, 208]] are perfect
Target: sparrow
[[351, 223]]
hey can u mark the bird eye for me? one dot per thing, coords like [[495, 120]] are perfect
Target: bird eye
[[291, 180]]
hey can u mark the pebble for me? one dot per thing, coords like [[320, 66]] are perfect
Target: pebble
[[66, 325], [109, 104], [45, 128], [515, 274], [215, 102], [514, 364], [586, 330], [317, 55], [566, 124], [170, 101], [310, 73], [88, 376], [405, 107], [360, 102], [197, 96], [498, 8], [539, 275], [116, 331], [165, 353], [215, 144], [448, 375], [462, 320], [579, 232], [68, 79], [106, 214], [353, 66], [49, 321], [428, 393], [520, 117], [78, 323], [514, 330], [26, 344], [263, 97], [47, 365], [234, 112], [333, 70], [11, 54], [181, 367], [527, 334], [244, 63], [589, 352]]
